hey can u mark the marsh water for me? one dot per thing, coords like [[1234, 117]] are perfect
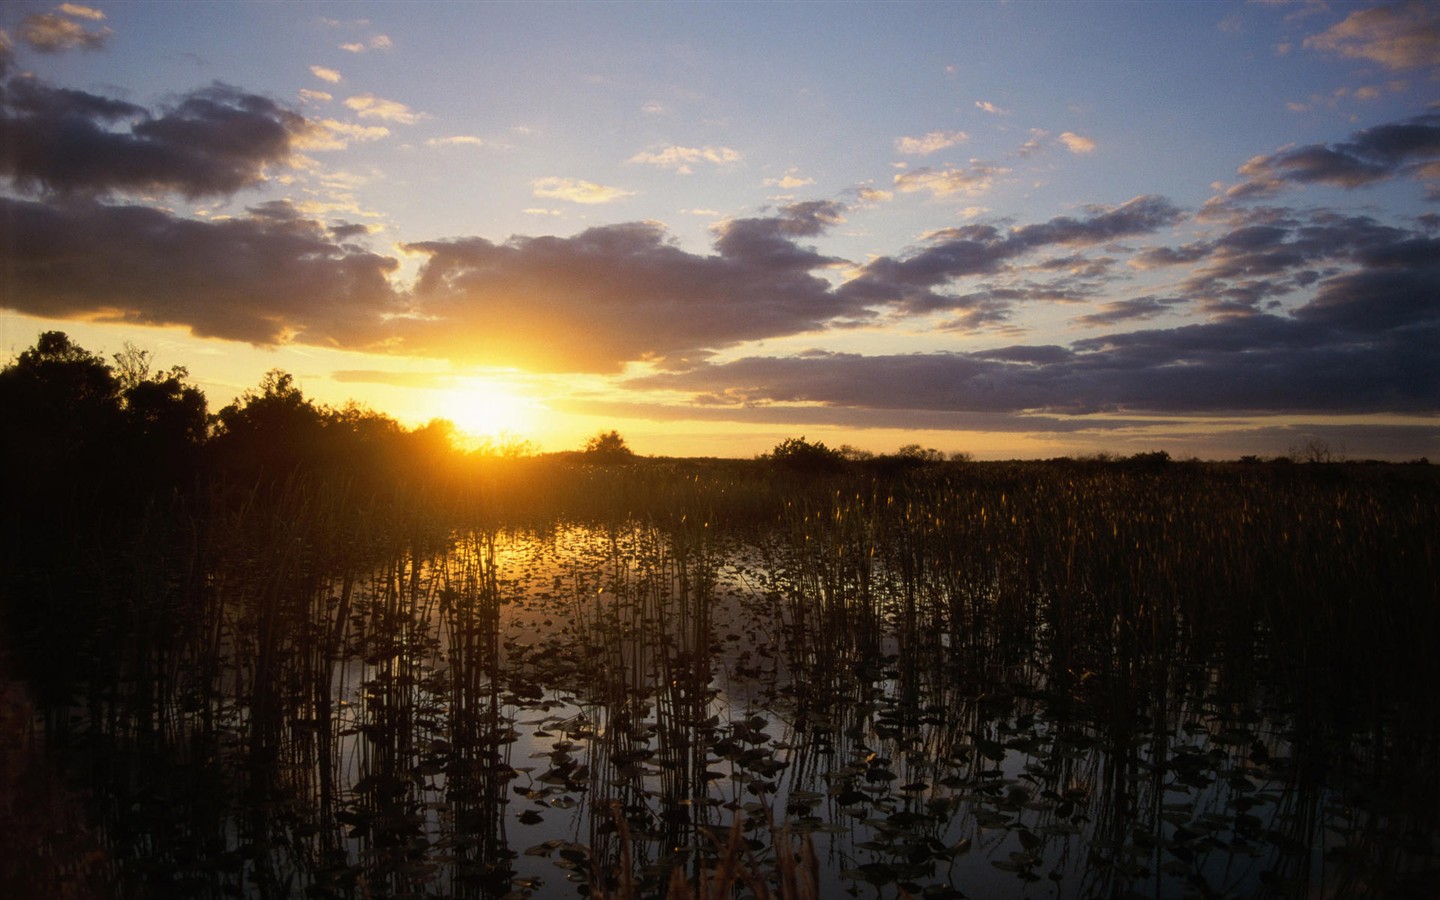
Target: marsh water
[[1051, 687]]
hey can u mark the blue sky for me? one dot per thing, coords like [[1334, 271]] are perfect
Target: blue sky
[[1012, 229]]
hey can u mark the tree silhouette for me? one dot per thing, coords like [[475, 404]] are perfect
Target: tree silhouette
[[608, 447]]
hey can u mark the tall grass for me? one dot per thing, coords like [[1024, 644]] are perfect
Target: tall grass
[[1116, 679]]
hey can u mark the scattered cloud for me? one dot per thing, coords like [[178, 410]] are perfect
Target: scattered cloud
[[683, 159], [456, 140], [332, 134], [1396, 149], [59, 31], [1077, 144], [977, 179], [378, 42], [789, 181], [327, 75], [915, 283], [310, 96], [992, 109], [930, 142], [1283, 310], [369, 106], [577, 191], [1397, 35]]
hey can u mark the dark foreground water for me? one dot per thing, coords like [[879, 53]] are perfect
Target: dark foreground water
[[938, 699]]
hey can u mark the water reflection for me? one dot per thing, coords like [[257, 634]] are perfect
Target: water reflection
[[585, 708]]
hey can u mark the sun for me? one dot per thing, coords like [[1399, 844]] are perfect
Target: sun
[[488, 409]]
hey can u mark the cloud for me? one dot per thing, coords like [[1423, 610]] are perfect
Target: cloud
[[378, 42], [327, 75], [213, 141], [1397, 35], [56, 32], [577, 191], [977, 179], [266, 277], [332, 134], [456, 140], [992, 109], [617, 293], [1077, 144], [1115, 312], [931, 142], [914, 282], [310, 96], [81, 12], [369, 106], [1395, 149], [1336, 355], [683, 159], [789, 181]]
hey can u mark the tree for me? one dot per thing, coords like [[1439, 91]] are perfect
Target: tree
[[608, 447], [798, 454], [268, 433], [62, 412]]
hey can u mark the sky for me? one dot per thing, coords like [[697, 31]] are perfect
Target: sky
[[1015, 230]]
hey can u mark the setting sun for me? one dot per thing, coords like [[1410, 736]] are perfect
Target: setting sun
[[484, 408]]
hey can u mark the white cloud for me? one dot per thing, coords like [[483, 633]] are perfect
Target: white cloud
[[325, 74], [874, 195], [1077, 144], [369, 106], [681, 159], [930, 142], [991, 108], [577, 191], [315, 96]]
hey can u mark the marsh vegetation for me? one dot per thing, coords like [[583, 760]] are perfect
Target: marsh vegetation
[[314, 654]]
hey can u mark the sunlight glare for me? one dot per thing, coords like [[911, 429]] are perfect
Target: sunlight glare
[[488, 409]]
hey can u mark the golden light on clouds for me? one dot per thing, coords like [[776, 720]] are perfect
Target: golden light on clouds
[[577, 190]]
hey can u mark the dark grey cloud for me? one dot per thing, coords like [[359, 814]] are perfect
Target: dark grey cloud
[[1271, 255], [1114, 312], [916, 283], [269, 276], [620, 292], [1395, 149], [1261, 364], [211, 142], [1365, 340]]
